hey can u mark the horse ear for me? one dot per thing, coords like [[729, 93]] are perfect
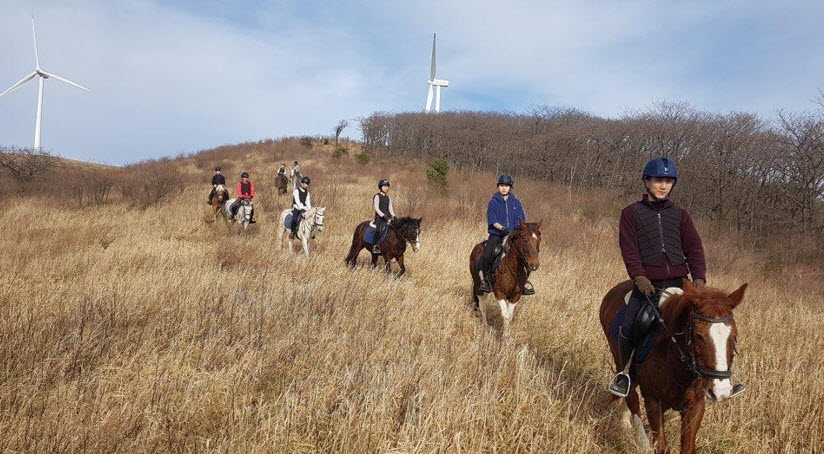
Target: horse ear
[[522, 225], [538, 225], [420, 219], [688, 287], [738, 295]]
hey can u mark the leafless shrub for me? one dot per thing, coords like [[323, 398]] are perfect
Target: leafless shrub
[[26, 165]]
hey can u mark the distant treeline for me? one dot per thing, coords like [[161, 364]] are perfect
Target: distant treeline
[[753, 174]]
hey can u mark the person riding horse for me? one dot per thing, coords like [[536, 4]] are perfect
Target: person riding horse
[[294, 172], [282, 170], [245, 191], [301, 203], [660, 246], [384, 212], [217, 179], [503, 213]]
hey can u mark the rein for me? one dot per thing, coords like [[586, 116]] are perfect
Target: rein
[[689, 359], [407, 240]]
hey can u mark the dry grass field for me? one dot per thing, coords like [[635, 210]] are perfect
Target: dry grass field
[[130, 330]]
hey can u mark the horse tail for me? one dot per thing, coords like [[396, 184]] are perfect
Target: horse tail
[[352, 257]]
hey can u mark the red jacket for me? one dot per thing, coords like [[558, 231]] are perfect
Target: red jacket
[[247, 195], [693, 250]]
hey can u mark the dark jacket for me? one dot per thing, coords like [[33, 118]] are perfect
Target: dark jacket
[[691, 246], [218, 179], [507, 212]]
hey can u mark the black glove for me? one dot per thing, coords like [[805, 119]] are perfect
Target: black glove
[[506, 231]]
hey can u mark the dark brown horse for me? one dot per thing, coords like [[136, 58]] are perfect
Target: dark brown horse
[[690, 359], [520, 257], [400, 232], [282, 183]]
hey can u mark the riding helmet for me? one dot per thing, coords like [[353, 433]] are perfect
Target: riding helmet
[[306, 180], [296, 162], [383, 183], [244, 175], [217, 169], [660, 168], [506, 178]]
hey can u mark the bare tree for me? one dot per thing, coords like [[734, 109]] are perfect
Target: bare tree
[[339, 129], [26, 164]]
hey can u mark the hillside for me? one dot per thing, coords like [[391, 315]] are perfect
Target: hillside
[[131, 329]]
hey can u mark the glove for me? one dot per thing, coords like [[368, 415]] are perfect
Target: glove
[[644, 285], [698, 283], [506, 231]]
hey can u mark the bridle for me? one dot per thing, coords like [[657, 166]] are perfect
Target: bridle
[[318, 224], [688, 358], [407, 240], [522, 257]]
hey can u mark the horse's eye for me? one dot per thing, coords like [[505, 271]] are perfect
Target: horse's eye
[[699, 339]]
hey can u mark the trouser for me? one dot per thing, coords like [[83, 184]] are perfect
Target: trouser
[[297, 215], [211, 194], [380, 226], [486, 257], [626, 333]]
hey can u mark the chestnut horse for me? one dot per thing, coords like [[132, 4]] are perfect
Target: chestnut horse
[[690, 359], [282, 183], [520, 257], [220, 195], [400, 232]]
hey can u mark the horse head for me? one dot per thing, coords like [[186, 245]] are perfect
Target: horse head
[[526, 241], [318, 218], [711, 335], [410, 231]]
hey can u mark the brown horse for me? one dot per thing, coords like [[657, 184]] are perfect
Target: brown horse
[[690, 359], [400, 232], [220, 195], [282, 183], [520, 257]]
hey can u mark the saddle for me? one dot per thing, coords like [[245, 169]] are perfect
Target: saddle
[[497, 255], [287, 221], [370, 236], [645, 328]]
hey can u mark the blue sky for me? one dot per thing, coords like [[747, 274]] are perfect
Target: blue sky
[[179, 76]]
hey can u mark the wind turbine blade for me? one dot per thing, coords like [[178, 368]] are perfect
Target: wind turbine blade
[[34, 36], [429, 99], [18, 84], [434, 64], [68, 82]]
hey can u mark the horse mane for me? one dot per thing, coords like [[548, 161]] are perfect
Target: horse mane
[[709, 302], [400, 223]]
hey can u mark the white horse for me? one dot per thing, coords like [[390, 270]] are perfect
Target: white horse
[[244, 214], [312, 220]]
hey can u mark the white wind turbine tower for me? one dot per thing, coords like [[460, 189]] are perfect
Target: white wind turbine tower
[[434, 84], [43, 76]]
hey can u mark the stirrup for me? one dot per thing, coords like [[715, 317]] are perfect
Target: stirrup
[[376, 249], [614, 386], [737, 390], [528, 289], [485, 287]]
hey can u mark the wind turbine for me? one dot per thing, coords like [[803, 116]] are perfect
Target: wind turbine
[[38, 71], [434, 84]]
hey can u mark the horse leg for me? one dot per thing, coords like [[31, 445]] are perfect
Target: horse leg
[[505, 314], [655, 414], [305, 241], [402, 270], [374, 260], [634, 406], [387, 262], [690, 423]]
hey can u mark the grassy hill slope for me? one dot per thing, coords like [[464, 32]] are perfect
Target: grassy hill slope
[[152, 330]]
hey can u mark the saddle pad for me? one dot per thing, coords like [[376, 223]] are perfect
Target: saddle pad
[[645, 346], [371, 233], [287, 222]]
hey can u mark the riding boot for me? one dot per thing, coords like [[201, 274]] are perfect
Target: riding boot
[[620, 385], [486, 272], [252, 217]]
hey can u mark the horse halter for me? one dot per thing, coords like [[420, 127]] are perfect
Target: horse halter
[[692, 364]]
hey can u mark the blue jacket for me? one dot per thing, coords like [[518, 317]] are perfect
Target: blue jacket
[[507, 212]]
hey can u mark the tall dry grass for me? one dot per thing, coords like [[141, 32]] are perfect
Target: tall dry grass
[[124, 329]]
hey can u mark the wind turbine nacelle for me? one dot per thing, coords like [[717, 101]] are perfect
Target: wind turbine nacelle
[[440, 83]]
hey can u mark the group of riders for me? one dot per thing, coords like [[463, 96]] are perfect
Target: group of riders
[[659, 243]]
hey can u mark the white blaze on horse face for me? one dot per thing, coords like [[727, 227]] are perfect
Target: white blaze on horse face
[[720, 334], [417, 240]]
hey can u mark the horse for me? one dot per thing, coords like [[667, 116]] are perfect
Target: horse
[[295, 175], [244, 214], [282, 183], [690, 359], [519, 258], [312, 220], [400, 232], [218, 197]]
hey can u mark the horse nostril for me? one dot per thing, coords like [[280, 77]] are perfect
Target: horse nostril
[[533, 267]]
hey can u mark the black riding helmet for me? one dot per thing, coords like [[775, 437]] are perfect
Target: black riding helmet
[[217, 169], [244, 175], [306, 180], [383, 183], [506, 178]]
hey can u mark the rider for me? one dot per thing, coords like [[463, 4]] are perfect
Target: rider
[[217, 179], [246, 190], [384, 212], [660, 246], [295, 171], [503, 214], [282, 170], [301, 203]]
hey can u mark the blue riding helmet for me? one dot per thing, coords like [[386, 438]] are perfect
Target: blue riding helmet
[[660, 168]]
